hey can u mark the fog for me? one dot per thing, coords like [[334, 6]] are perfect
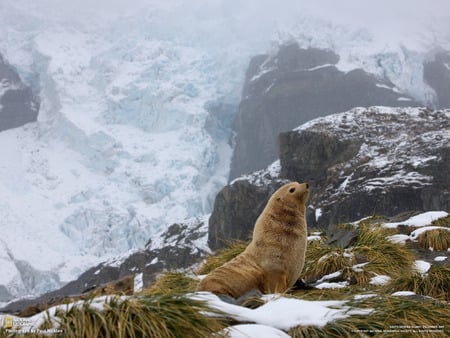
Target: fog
[[385, 18]]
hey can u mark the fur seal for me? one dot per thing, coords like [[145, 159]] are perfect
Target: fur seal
[[274, 259]]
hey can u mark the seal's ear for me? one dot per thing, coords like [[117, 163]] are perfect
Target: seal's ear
[[278, 198]]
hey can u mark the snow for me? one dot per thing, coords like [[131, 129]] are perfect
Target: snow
[[416, 233], [285, 313], [399, 238], [252, 330], [420, 220], [440, 258], [421, 266], [138, 282], [403, 293], [121, 149], [380, 280], [330, 276], [365, 296], [318, 213], [333, 285]]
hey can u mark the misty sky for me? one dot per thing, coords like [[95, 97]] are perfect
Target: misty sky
[[386, 18]]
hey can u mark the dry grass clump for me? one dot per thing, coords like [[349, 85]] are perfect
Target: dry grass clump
[[161, 316], [232, 250], [438, 239], [382, 255], [372, 253], [391, 317], [435, 283], [172, 283], [322, 260]]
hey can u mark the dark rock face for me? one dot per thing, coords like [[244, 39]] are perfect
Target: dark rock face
[[292, 87], [437, 74], [18, 105], [362, 162]]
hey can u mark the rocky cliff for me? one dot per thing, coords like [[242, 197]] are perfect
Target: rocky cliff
[[295, 85], [366, 161], [18, 104], [436, 73]]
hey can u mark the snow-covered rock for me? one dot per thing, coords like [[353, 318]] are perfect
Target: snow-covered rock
[[376, 160]]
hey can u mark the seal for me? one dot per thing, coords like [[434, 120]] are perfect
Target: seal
[[274, 259]]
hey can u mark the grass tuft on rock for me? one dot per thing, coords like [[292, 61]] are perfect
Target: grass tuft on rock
[[372, 254], [159, 316], [435, 283], [437, 239], [391, 316]]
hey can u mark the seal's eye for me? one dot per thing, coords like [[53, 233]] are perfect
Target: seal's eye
[[292, 190]]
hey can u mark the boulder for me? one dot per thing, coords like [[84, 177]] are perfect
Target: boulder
[[18, 104]]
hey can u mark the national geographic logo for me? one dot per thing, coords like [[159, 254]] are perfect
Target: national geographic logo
[[8, 322]]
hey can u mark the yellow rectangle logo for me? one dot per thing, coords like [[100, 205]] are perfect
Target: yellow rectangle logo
[[8, 322]]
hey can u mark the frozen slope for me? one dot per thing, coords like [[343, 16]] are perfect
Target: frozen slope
[[120, 149], [135, 117]]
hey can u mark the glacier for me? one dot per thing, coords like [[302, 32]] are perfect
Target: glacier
[[136, 117]]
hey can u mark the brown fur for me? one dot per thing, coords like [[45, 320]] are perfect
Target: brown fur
[[274, 259]]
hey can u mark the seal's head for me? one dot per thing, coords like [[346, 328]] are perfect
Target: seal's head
[[292, 194]]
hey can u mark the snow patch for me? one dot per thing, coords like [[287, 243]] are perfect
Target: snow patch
[[420, 220], [404, 293], [138, 282], [333, 285], [380, 280], [440, 258], [252, 330], [399, 238], [421, 266], [284, 313]]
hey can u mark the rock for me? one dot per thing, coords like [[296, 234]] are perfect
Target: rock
[[4, 294], [367, 161], [436, 73], [18, 104], [289, 88]]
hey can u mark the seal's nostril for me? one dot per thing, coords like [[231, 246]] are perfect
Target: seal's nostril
[[307, 186]]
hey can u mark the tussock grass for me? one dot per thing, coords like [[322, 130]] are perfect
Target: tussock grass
[[232, 250], [172, 283], [435, 283], [438, 239], [159, 316], [371, 247], [391, 317], [382, 255], [322, 259]]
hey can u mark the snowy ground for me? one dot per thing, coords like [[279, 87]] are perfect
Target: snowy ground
[[279, 313]]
